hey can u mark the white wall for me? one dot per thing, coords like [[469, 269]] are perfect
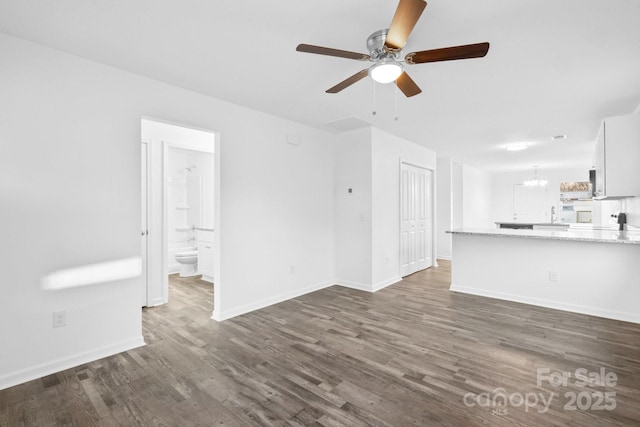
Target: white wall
[[69, 185], [457, 191], [443, 214], [387, 152], [631, 207], [476, 197], [353, 227], [276, 217]]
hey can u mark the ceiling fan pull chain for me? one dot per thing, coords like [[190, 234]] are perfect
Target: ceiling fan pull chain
[[374, 98], [396, 119]]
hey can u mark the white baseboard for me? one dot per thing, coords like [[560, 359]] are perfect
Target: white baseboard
[[49, 368], [557, 305], [444, 257], [207, 278], [354, 285], [385, 283], [228, 314], [157, 301], [367, 287]]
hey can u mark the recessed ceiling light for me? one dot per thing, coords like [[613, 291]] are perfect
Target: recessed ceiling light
[[517, 146], [556, 137]]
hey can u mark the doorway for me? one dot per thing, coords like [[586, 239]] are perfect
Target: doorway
[[416, 219], [529, 203], [178, 199]]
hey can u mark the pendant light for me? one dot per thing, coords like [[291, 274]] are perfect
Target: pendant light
[[536, 181]]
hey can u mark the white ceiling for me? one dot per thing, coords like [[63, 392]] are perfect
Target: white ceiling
[[554, 67]]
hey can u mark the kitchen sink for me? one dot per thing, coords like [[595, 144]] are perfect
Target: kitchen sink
[[554, 226]]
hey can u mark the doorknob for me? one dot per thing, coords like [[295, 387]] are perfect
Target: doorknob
[[143, 232]]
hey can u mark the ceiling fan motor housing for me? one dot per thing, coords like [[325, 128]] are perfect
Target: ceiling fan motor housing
[[377, 49]]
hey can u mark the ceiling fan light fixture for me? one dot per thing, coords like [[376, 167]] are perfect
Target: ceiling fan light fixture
[[386, 72]]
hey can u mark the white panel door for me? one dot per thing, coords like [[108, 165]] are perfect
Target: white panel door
[[415, 219], [144, 233], [529, 203]]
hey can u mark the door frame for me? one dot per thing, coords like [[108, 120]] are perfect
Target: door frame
[[432, 211], [145, 198], [157, 212]]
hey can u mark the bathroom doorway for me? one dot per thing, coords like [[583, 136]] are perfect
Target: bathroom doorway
[[180, 200]]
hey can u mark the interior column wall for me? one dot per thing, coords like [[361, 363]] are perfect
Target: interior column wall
[[353, 227], [444, 220]]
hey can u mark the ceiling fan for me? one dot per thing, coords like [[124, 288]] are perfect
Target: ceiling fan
[[385, 49]]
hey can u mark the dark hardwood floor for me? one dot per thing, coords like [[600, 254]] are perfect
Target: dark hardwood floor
[[413, 354]]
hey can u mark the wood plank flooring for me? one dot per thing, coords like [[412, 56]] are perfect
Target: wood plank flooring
[[413, 354]]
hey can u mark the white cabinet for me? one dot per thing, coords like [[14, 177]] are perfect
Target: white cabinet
[[205, 254], [618, 157]]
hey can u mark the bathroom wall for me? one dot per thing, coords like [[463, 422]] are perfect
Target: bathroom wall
[[189, 200], [204, 171]]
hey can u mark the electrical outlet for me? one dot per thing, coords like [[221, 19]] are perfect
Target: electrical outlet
[[59, 318], [553, 276], [292, 269]]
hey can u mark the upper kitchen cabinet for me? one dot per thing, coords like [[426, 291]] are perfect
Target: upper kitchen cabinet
[[617, 157]]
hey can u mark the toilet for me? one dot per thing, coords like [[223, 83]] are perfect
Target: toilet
[[188, 261]]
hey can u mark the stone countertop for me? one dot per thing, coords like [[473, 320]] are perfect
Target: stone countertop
[[600, 236], [559, 224]]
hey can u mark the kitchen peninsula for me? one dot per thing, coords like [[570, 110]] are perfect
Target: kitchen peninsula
[[592, 272]]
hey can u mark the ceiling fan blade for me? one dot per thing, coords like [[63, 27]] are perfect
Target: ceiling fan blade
[[467, 51], [332, 52], [407, 85], [348, 82], [405, 18]]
